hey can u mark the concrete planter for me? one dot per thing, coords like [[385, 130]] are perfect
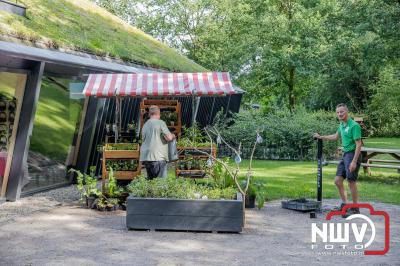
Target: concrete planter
[[181, 214]]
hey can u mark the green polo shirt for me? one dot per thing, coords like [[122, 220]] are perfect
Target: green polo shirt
[[154, 147], [349, 132]]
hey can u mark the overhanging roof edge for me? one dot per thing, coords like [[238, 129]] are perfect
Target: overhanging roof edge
[[57, 57]]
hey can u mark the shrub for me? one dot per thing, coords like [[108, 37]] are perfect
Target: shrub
[[178, 188], [384, 108], [286, 135]]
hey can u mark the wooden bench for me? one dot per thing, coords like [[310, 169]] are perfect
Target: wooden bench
[[368, 153], [370, 161], [368, 165]]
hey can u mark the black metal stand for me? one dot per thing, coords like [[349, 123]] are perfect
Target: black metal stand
[[319, 170], [304, 204]]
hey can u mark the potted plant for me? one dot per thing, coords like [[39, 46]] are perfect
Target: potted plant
[[255, 194], [181, 165], [189, 163], [87, 186], [111, 188], [132, 129], [101, 204], [173, 118], [112, 204], [250, 199]]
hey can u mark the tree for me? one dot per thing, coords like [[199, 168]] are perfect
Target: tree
[[282, 52], [384, 107]]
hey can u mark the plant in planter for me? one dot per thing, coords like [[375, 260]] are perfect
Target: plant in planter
[[110, 198], [173, 118], [200, 207], [111, 188], [87, 186], [177, 188], [220, 176], [233, 172], [121, 146], [189, 163], [112, 204], [182, 165], [132, 128], [255, 193], [101, 204], [165, 116]]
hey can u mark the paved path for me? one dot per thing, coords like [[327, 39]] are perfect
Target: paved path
[[71, 235]]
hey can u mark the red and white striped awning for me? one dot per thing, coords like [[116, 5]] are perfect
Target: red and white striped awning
[[158, 84]]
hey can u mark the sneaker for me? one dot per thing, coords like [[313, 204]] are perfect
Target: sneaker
[[350, 212]]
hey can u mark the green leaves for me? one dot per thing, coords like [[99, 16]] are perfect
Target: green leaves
[[178, 188], [384, 108], [111, 187], [86, 184], [282, 53], [285, 135]]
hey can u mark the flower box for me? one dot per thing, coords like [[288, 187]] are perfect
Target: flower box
[[187, 215]]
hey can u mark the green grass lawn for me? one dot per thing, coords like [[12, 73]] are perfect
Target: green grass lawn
[[388, 143], [288, 179], [55, 119], [55, 122]]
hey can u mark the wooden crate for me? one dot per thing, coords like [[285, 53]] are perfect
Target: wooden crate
[[184, 152], [127, 175], [120, 154], [190, 173]]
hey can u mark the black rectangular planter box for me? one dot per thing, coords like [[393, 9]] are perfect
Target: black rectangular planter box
[[182, 214]]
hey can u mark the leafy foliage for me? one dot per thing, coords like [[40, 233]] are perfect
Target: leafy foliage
[[193, 136], [111, 188], [384, 108], [286, 135], [179, 188], [87, 184], [82, 26], [283, 53]]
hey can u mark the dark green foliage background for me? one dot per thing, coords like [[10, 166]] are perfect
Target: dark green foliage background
[[289, 53]]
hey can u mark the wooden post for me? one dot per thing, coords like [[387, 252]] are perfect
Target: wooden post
[[16, 178], [19, 93]]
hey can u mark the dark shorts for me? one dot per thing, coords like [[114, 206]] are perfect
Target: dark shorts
[[343, 167], [155, 169]]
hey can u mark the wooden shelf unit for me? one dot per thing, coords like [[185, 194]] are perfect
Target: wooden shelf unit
[[6, 123], [185, 152], [163, 104], [121, 155]]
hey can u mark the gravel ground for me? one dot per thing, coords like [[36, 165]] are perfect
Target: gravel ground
[[39, 202], [63, 233], [60, 232]]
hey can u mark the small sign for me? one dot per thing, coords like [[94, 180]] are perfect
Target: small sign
[[75, 91]]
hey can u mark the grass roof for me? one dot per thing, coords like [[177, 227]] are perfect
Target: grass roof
[[80, 25]]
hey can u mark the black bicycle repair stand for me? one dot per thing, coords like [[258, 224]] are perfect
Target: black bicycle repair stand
[[304, 204]]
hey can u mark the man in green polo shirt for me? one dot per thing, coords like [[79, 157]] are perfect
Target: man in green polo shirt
[[349, 165], [154, 148]]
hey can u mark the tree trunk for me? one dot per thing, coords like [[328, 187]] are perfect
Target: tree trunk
[[291, 89]]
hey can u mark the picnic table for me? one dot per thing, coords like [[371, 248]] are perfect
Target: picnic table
[[368, 153], [367, 160]]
